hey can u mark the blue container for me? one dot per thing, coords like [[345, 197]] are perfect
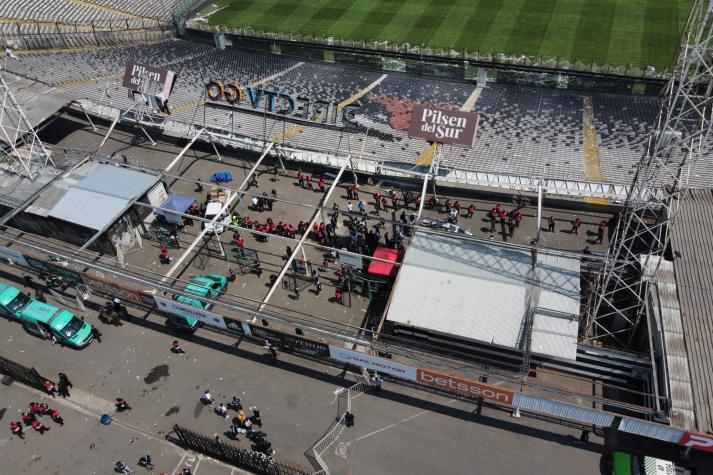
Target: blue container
[[105, 419]]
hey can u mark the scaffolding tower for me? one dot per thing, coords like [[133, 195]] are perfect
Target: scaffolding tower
[[21, 150], [680, 136]]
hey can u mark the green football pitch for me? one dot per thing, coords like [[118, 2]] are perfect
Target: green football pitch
[[636, 32]]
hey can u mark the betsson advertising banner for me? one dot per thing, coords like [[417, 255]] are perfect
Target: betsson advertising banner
[[209, 318], [380, 365], [446, 126], [464, 386]]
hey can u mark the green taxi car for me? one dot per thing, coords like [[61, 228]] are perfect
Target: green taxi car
[[44, 320], [210, 286]]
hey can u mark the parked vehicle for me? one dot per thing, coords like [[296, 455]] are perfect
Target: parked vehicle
[[44, 320], [210, 286], [623, 463], [212, 210]]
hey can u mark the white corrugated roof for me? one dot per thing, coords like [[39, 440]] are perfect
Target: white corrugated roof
[[474, 290], [89, 209], [554, 336], [117, 181]]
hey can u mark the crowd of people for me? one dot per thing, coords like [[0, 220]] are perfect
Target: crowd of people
[[242, 425], [33, 417]]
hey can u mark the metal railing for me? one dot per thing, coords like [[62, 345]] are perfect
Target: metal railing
[[63, 36], [344, 405], [23, 374], [255, 462], [426, 52]]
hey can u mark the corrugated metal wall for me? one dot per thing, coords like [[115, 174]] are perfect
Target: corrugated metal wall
[[647, 429], [558, 409]]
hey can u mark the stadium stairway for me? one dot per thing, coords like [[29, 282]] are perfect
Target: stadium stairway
[[592, 162], [427, 156], [112, 11]]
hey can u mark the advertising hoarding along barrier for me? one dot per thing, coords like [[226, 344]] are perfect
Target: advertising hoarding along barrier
[[13, 256], [380, 365], [208, 318], [464, 386], [114, 290], [702, 442], [446, 126], [287, 341]]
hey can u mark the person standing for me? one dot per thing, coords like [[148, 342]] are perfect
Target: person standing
[[56, 418], [301, 179], [350, 192], [551, 224], [309, 183], [145, 461], [576, 223], [471, 210], [39, 427], [600, 231], [518, 218], [176, 348], [320, 183], [16, 429], [338, 296], [49, 387], [511, 227], [98, 337], [317, 282], [376, 381]]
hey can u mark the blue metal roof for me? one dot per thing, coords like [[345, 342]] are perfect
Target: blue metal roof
[[117, 181]]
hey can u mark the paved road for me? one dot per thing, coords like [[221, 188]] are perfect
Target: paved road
[[399, 431]]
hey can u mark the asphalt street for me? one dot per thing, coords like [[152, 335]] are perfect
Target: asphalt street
[[401, 430]]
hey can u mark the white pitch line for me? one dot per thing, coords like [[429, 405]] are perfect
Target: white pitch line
[[390, 426], [180, 462]]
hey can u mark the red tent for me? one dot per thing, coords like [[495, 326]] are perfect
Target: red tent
[[382, 268]]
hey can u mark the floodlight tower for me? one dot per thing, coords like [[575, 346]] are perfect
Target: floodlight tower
[[20, 148], [617, 301]]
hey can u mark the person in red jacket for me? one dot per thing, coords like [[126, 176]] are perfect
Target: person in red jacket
[[576, 223], [471, 210], [16, 429], [56, 418], [320, 182], [39, 426]]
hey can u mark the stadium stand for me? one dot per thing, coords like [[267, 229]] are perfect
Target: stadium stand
[[85, 11], [524, 131]]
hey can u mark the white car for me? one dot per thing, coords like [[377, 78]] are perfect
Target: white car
[[211, 211]]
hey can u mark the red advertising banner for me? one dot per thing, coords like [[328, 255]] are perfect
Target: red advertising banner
[[697, 441], [464, 386], [446, 126]]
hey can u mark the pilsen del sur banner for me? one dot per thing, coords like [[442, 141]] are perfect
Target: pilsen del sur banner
[[276, 102]]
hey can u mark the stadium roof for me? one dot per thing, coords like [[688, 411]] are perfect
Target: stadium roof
[[692, 242], [482, 292]]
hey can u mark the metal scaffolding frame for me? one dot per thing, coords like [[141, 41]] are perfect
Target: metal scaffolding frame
[[20, 147], [617, 303]]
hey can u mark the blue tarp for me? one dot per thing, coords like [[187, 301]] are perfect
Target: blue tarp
[[178, 203]]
